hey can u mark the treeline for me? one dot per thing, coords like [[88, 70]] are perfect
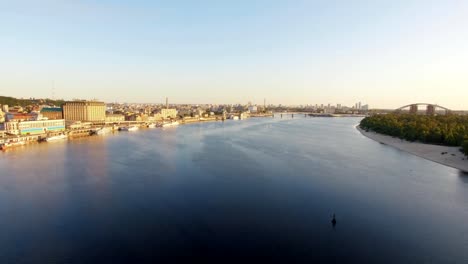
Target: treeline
[[450, 130], [11, 101]]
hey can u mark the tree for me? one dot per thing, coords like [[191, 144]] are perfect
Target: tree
[[465, 147], [451, 130]]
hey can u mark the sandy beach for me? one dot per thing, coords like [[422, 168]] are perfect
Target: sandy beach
[[453, 158]]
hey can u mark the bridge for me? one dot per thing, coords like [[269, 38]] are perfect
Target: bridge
[[431, 109]]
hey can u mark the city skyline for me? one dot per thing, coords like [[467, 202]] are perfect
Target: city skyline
[[385, 54]]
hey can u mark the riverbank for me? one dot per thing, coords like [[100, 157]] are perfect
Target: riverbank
[[452, 156], [12, 142]]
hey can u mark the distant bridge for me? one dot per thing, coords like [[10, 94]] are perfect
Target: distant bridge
[[431, 109]]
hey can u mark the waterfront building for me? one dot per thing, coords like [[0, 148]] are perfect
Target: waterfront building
[[158, 117], [34, 127], [5, 108], [12, 116], [111, 118], [90, 111], [52, 113], [133, 117], [253, 109], [2, 116], [169, 113]]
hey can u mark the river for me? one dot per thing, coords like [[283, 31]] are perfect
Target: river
[[259, 189]]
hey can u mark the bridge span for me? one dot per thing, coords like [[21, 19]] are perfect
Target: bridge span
[[431, 109]]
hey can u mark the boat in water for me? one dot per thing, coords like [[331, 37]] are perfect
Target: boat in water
[[170, 124], [11, 144], [54, 138], [128, 128], [102, 131], [152, 125]]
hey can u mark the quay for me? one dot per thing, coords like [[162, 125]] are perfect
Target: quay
[[89, 129]]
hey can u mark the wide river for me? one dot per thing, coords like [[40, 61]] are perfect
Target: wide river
[[258, 189]]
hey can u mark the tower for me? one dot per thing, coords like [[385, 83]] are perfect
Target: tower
[[167, 103]]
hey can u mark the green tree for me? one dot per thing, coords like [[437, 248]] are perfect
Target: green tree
[[465, 147]]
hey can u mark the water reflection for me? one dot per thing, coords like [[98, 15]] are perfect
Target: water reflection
[[261, 188], [463, 176]]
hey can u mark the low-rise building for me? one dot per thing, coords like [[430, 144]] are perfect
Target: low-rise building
[[52, 113], [11, 116], [111, 118], [158, 117], [2, 116], [253, 109], [169, 113], [34, 127]]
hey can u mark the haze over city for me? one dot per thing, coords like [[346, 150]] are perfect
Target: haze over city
[[385, 53]]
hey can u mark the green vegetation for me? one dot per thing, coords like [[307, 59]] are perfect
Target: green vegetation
[[465, 147], [11, 101], [450, 130]]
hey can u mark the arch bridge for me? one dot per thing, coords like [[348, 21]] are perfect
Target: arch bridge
[[431, 109]]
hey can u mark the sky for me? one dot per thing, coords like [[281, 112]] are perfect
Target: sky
[[383, 53]]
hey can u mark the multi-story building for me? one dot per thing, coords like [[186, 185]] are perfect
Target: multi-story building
[[253, 109], [169, 113], [52, 113], [89, 111], [34, 127], [2, 116], [110, 118]]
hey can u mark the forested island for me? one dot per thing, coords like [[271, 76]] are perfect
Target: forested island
[[448, 130]]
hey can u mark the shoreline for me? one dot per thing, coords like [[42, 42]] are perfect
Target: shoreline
[[453, 158], [88, 132]]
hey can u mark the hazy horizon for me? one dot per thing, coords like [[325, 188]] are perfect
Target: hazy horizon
[[383, 54]]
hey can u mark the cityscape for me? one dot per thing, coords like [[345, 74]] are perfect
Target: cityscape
[[37, 122]]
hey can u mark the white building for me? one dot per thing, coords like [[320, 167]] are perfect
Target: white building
[[253, 109], [34, 127]]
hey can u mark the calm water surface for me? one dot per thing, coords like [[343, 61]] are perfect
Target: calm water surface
[[257, 189]]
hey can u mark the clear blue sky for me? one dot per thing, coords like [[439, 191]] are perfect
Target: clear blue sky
[[385, 53]]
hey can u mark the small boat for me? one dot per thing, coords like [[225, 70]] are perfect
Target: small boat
[[152, 125], [170, 124], [58, 137], [128, 128], [11, 144], [102, 131]]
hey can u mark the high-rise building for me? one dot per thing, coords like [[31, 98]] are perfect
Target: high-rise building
[[359, 105], [89, 111]]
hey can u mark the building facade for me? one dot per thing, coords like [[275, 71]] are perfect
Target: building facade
[[2, 116], [34, 127], [110, 118], [169, 113], [52, 113], [89, 111]]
